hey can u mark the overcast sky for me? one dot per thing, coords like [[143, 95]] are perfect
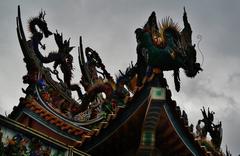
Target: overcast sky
[[108, 27]]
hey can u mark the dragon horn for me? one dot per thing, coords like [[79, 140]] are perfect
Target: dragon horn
[[44, 13], [121, 73], [40, 14], [132, 63]]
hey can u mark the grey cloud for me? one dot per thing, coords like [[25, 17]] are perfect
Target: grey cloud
[[196, 89], [234, 77]]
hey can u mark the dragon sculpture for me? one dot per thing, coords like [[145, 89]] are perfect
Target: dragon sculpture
[[215, 130], [91, 81], [164, 47], [62, 57]]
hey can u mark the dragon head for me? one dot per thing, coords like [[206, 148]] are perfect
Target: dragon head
[[43, 24], [40, 22], [191, 67]]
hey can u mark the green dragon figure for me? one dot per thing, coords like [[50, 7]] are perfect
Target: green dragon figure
[[167, 48]]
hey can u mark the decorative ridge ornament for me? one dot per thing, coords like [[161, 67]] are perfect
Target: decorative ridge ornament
[[167, 48]]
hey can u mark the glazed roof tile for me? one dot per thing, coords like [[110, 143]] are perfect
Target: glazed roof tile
[[34, 106]]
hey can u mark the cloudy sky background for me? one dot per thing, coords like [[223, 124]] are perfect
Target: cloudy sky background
[[108, 27]]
